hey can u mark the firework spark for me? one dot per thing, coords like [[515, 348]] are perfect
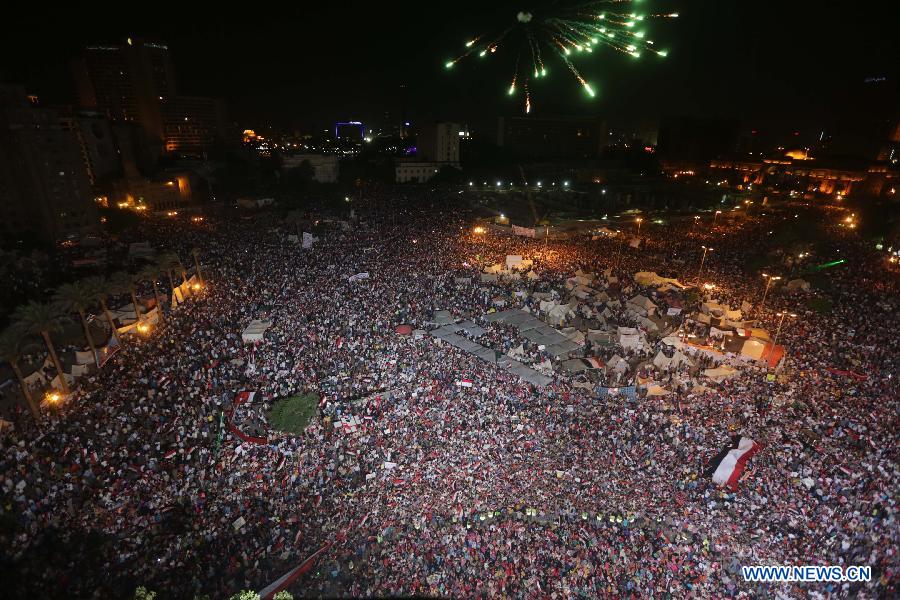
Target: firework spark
[[569, 30]]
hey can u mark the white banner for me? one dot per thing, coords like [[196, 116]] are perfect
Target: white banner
[[308, 240], [358, 277], [523, 231]]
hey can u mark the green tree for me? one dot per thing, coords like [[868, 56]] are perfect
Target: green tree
[[102, 288], [13, 344], [78, 297], [43, 318], [149, 273], [245, 595]]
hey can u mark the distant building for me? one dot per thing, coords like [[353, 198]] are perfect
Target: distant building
[[412, 171], [99, 147], [135, 83], [797, 172], [691, 138], [44, 186], [542, 138], [325, 167], [192, 124], [439, 143]]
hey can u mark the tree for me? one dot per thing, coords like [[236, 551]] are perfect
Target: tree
[[283, 595], [245, 595], [102, 288], [78, 297], [169, 262], [42, 318], [150, 273], [12, 347]]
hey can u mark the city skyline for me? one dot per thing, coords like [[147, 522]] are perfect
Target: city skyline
[[769, 69]]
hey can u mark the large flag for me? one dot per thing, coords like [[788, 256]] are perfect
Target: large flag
[[291, 576], [726, 467]]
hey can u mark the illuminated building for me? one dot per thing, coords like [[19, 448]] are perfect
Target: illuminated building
[[325, 167], [135, 83], [44, 187], [439, 143]]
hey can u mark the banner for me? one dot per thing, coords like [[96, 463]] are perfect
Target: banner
[[291, 576], [307, 240], [243, 398], [523, 231], [358, 277]]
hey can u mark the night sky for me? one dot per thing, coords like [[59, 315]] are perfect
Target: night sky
[[303, 65]]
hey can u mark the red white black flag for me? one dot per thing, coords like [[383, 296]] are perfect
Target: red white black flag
[[726, 467]]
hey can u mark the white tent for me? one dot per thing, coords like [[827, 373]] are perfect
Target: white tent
[[798, 285], [532, 275], [255, 331], [512, 260], [643, 302], [720, 373], [650, 278], [495, 268], [753, 348]]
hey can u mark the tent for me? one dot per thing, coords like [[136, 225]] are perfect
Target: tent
[[797, 285], [753, 348], [720, 373], [644, 303], [255, 331], [655, 390], [494, 269], [488, 278]]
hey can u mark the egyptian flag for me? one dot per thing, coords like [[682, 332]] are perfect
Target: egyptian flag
[[726, 467], [464, 383]]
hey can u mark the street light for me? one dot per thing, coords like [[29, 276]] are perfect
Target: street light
[[718, 212], [769, 280], [639, 220], [778, 329], [703, 259]]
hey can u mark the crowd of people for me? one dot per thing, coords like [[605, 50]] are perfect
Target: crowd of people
[[495, 488]]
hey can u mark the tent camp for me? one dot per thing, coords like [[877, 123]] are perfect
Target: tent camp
[[255, 331], [644, 303]]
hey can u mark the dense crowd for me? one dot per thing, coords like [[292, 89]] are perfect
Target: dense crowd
[[501, 488]]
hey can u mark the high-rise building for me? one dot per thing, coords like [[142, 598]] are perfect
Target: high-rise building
[[192, 124], [439, 143], [44, 186], [135, 83]]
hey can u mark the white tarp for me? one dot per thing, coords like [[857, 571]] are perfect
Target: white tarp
[[512, 260], [720, 373], [254, 332], [650, 278]]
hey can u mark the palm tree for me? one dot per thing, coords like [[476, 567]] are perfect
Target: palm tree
[[149, 273], [102, 288], [168, 262], [12, 347], [78, 297], [195, 252], [42, 318]]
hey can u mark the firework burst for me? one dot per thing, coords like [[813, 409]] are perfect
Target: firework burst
[[568, 31]]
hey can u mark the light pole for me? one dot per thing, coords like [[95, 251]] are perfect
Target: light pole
[[702, 260], [778, 329], [639, 220], [718, 212], [769, 280]]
